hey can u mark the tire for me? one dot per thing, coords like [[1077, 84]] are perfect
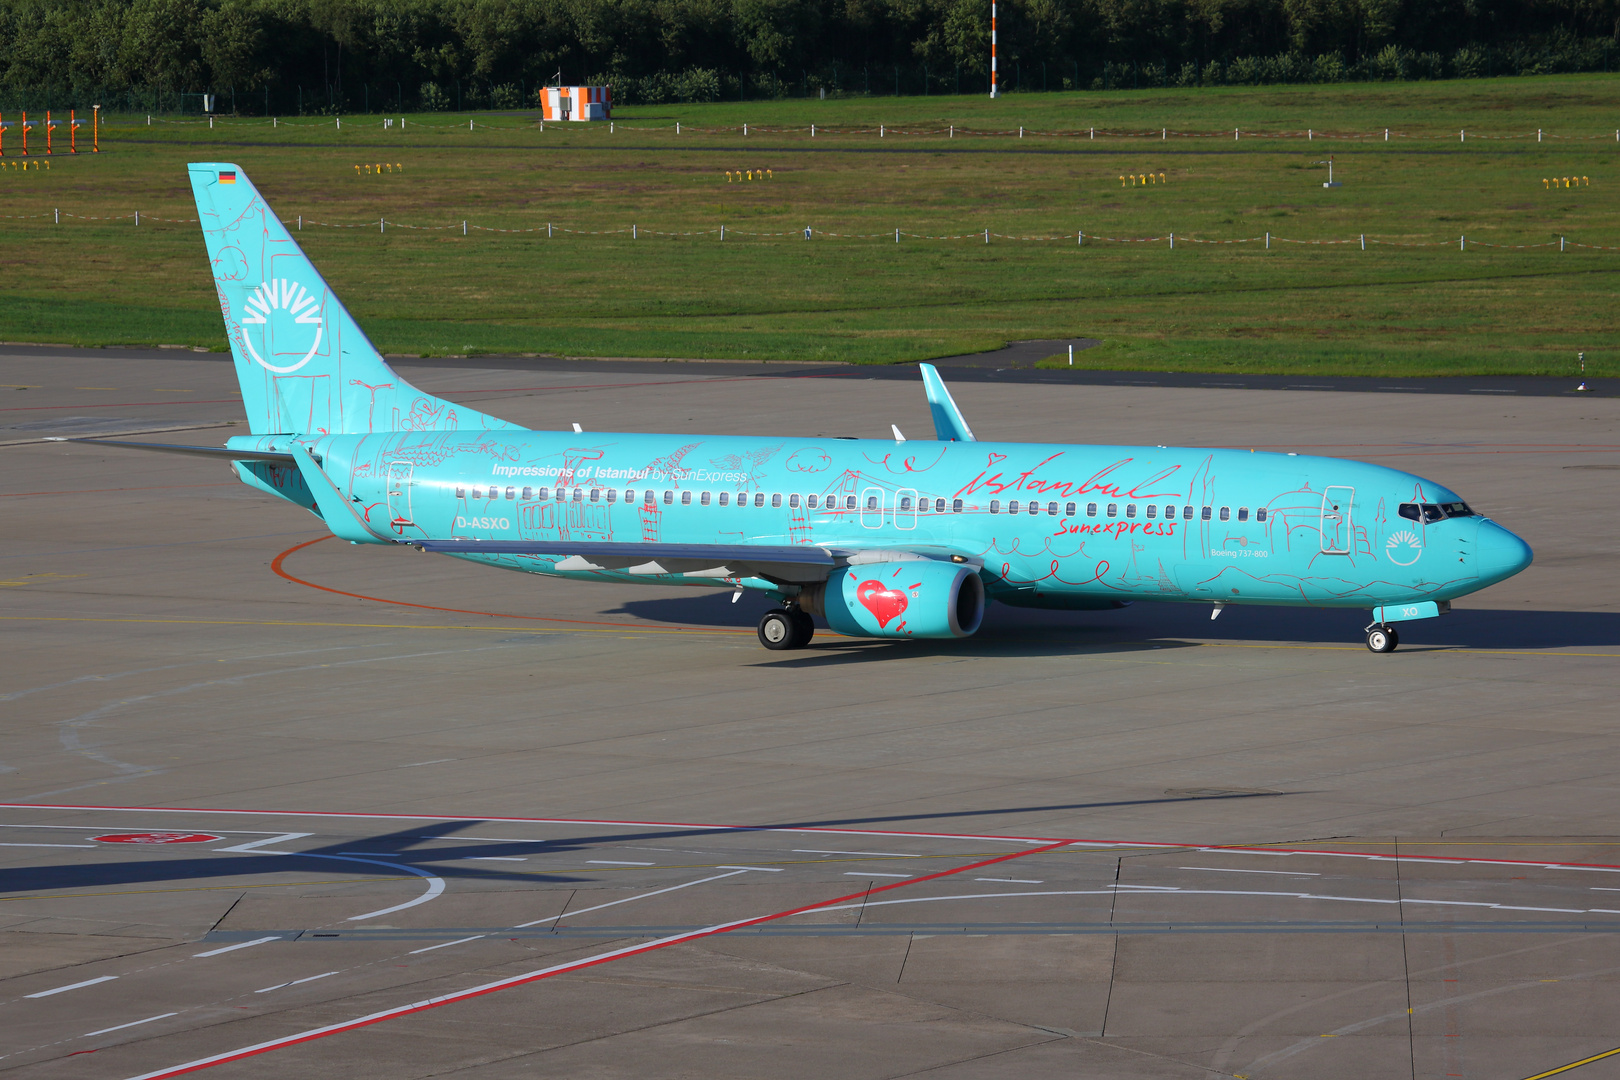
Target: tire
[[1382, 639], [777, 630], [805, 626]]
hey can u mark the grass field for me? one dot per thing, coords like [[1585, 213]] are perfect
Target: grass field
[[767, 293]]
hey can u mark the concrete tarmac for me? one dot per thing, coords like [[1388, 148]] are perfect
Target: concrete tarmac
[[276, 805]]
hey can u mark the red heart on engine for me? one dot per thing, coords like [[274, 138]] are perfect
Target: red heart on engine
[[884, 604]]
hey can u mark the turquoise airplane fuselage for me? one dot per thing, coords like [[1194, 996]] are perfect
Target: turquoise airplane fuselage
[[882, 538], [1054, 525]]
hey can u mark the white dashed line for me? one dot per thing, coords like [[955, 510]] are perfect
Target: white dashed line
[[1011, 880], [295, 982], [71, 986], [886, 854], [238, 945], [495, 858], [870, 873], [446, 944], [615, 862], [132, 1023], [761, 869], [1228, 870], [50, 845]]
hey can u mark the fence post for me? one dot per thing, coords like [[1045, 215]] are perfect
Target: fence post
[[745, 131], [1268, 241], [137, 218], [987, 236], [1093, 134], [58, 212], [632, 232], [548, 230], [952, 135], [300, 222], [1234, 134], [1164, 134], [897, 236], [1560, 243], [1538, 134], [463, 226], [1462, 243], [812, 131], [677, 127], [1172, 241], [380, 225], [1081, 238], [880, 131], [1020, 131], [1310, 135], [1462, 135], [1386, 134], [1363, 241], [722, 232]]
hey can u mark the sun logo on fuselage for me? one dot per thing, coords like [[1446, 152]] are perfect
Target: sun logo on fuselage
[[1403, 548], [258, 311]]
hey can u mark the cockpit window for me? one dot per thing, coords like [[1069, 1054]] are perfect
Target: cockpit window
[[1429, 513]]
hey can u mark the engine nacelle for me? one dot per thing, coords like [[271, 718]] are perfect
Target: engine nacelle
[[915, 598]]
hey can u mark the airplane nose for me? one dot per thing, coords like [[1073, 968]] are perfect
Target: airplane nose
[[1500, 554]]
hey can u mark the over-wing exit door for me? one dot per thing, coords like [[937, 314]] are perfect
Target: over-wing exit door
[[1336, 504], [399, 493]]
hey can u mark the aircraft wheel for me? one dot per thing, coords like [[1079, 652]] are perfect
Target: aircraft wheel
[[805, 626], [1382, 639], [778, 630]]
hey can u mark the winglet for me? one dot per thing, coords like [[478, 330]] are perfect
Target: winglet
[[948, 422]]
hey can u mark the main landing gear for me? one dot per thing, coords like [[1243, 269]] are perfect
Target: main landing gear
[[1381, 638], [785, 628]]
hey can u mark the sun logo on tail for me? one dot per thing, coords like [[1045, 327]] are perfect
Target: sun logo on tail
[[258, 310], [1403, 548]]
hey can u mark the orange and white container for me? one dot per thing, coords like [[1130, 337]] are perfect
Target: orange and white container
[[576, 103]]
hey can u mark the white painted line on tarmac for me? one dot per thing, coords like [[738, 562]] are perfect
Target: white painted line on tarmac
[[1012, 880], [294, 982], [419, 764], [870, 873], [494, 858], [615, 862], [761, 869], [238, 945], [71, 986], [447, 944], [1229, 870], [638, 896], [51, 845], [887, 854], [255, 845], [133, 1023], [435, 883]]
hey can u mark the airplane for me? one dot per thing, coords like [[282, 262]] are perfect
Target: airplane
[[882, 538]]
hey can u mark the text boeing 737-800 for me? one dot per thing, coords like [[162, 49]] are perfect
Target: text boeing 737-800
[[884, 539]]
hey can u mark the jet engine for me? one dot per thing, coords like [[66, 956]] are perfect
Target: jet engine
[[915, 598]]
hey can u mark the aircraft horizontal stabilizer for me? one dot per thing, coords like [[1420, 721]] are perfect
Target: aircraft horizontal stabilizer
[[220, 452]]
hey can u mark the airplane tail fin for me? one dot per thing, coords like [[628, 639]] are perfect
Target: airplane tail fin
[[304, 365]]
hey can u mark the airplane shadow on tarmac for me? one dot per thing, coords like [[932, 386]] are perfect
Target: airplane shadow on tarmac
[[1013, 631], [403, 847]]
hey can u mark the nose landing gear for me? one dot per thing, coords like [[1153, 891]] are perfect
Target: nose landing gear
[[785, 628], [1382, 638]]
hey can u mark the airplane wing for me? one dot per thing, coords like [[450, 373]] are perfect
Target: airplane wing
[[219, 452], [798, 563]]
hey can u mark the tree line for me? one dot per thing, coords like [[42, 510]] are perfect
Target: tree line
[[334, 56]]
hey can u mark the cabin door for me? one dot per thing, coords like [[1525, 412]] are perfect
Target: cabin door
[[399, 493], [1336, 505]]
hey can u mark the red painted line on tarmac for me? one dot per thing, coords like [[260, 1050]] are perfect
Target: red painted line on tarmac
[[103, 491], [123, 404], [576, 965], [275, 565]]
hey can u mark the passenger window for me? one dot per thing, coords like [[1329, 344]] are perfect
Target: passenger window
[[759, 498], [1260, 514], [669, 498], [528, 493], [651, 497], [793, 501], [579, 494], [461, 493], [905, 502], [1012, 507], [849, 502], [686, 498], [1243, 513], [1170, 513], [1130, 510], [629, 495], [939, 506], [1091, 509], [776, 500], [596, 494], [1226, 513], [872, 502], [810, 501], [612, 494], [704, 499], [995, 506], [1051, 509], [1204, 514], [956, 506], [1152, 510], [543, 494], [1186, 513], [1113, 509], [1068, 509], [725, 498]]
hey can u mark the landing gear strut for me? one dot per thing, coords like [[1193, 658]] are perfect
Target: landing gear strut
[[1382, 638], [785, 628]]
